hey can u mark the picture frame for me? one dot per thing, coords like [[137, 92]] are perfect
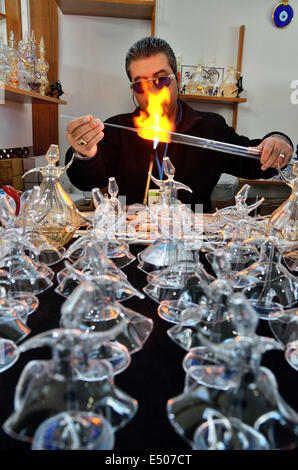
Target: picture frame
[[213, 75]]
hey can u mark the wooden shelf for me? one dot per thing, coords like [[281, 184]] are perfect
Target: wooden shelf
[[109, 8], [23, 96], [211, 99]]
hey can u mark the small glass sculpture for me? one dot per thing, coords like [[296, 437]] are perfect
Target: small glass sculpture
[[90, 262], [174, 221], [71, 380], [196, 84], [221, 433], [34, 81], [284, 221], [12, 77], [109, 226], [228, 87], [291, 354], [169, 283], [74, 430], [272, 286], [62, 218], [91, 308], [9, 354], [42, 68], [284, 327], [212, 317], [236, 386]]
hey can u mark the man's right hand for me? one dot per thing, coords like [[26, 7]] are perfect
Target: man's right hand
[[85, 129]]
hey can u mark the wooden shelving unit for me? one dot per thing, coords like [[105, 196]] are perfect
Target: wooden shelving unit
[[24, 96], [222, 99], [211, 99], [135, 9]]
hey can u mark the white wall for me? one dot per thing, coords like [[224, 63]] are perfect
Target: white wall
[[16, 118], [201, 29], [15, 125], [92, 66], [92, 51]]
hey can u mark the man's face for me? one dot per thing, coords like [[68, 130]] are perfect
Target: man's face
[[150, 67]]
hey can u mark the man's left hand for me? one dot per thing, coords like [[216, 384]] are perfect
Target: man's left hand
[[276, 152]]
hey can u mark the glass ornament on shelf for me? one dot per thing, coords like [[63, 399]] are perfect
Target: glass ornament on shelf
[[23, 65], [196, 83], [34, 81], [13, 58], [62, 218], [42, 68], [4, 64], [228, 87]]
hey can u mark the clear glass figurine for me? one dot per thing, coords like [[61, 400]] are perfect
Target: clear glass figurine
[[63, 218], [284, 221], [74, 430], [71, 380], [234, 384]]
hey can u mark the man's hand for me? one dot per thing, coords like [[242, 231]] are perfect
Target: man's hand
[[87, 131], [276, 152]]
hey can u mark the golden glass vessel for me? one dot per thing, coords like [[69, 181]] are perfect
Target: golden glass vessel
[[62, 218]]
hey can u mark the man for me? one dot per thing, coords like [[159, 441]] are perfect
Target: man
[[125, 155]]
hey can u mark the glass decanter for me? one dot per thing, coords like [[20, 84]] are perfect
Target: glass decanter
[[42, 68], [63, 218], [228, 87], [196, 85], [71, 380], [284, 221], [235, 386]]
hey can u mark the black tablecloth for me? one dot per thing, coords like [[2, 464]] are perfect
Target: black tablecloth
[[154, 375]]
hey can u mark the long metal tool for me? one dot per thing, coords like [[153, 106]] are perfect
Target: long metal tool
[[167, 136]]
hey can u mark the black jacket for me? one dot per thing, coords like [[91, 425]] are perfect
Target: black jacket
[[125, 155]]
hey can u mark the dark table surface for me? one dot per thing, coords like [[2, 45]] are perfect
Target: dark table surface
[[154, 375]]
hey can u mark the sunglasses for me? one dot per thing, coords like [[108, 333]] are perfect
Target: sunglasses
[[158, 82]]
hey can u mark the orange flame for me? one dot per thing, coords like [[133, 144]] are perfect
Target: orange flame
[[154, 117]]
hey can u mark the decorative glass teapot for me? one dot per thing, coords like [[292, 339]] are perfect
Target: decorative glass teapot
[[63, 218]]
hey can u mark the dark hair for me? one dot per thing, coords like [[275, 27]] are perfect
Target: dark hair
[[148, 47]]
